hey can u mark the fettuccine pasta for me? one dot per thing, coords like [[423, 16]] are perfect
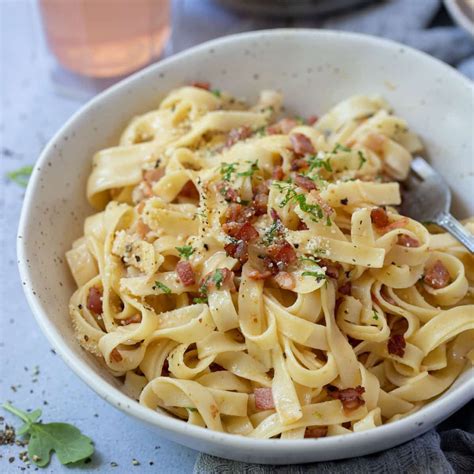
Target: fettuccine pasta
[[251, 274]]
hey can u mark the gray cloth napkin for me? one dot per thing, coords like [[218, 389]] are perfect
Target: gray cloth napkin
[[421, 24]]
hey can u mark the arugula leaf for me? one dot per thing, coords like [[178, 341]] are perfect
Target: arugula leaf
[[69, 444], [362, 159], [218, 278], [185, 252], [21, 175], [162, 287]]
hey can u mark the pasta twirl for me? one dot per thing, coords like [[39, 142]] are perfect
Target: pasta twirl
[[250, 273]]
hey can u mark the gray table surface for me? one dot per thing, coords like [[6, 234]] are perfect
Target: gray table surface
[[36, 99]]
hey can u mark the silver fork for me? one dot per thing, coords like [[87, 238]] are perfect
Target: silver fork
[[426, 197]]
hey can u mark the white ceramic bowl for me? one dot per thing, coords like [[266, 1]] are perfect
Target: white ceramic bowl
[[314, 69]]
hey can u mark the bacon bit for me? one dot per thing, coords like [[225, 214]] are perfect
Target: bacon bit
[[379, 217], [285, 280], [396, 345], [238, 213], [142, 229], [346, 288], [407, 241], [299, 164], [136, 318], [186, 273], [302, 226], [312, 119], [351, 398], [227, 280], [304, 182], [229, 193], [260, 199], [301, 144], [246, 231], [153, 175], [263, 398], [332, 268], [189, 190], [270, 265], [201, 85], [274, 214], [285, 125], [437, 276], [140, 207], [327, 209], [94, 300], [238, 250], [282, 253], [258, 275], [237, 134], [375, 142], [316, 431], [400, 223], [115, 356], [278, 173]]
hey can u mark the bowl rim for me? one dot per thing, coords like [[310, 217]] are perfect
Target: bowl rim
[[416, 423]]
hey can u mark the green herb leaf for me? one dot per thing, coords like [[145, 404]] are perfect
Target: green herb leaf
[[162, 287], [185, 252], [253, 167], [191, 408], [340, 147], [362, 159], [316, 161], [272, 232], [69, 444], [227, 169], [218, 278], [216, 92], [318, 275], [375, 315], [199, 300], [21, 175]]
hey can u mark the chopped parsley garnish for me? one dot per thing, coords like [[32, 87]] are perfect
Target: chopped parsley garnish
[[375, 315], [69, 444], [314, 210], [200, 300], [315, 161], [272, 232], [314, 261], [227, 169], [261, 131], [340, 147], [21, 175], [362, 159], [253, 167], [162, 287], [216, 92], [318, 275], [218, 278], [185, 252]]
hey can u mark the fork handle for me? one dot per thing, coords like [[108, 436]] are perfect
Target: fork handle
[[456, 229]]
